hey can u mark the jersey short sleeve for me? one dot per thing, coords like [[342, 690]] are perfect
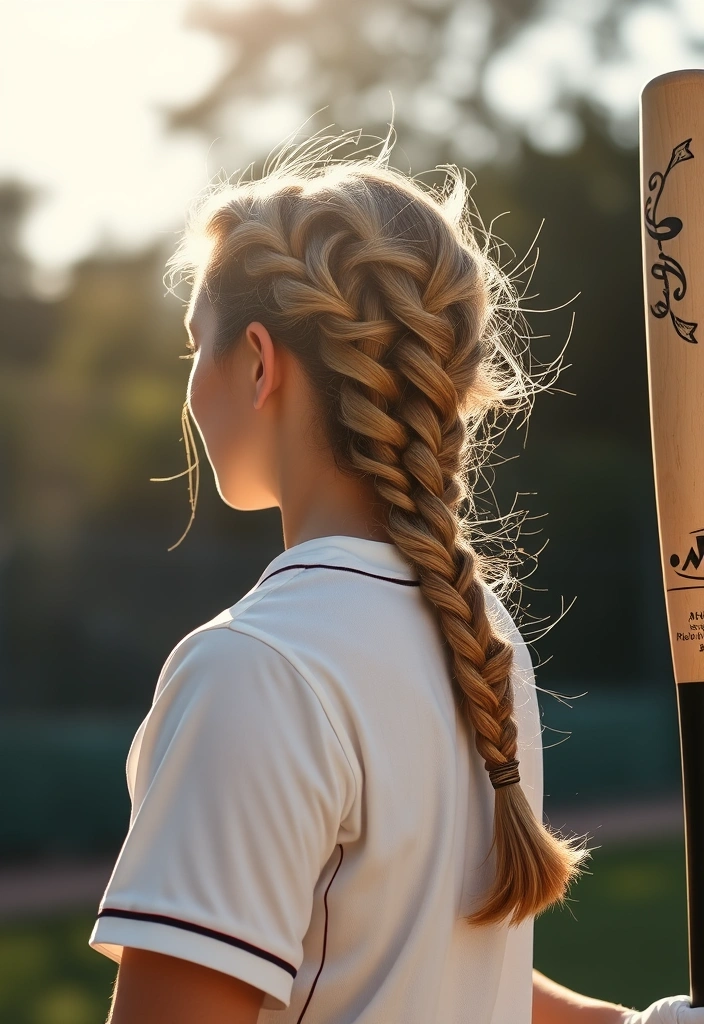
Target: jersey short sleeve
[[239, 786]]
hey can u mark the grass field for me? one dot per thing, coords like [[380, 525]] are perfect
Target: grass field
[[621, 937]]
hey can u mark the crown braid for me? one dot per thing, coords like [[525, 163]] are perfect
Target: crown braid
[[386, 303]]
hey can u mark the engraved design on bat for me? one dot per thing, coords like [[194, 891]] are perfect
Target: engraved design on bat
[[666, 268]]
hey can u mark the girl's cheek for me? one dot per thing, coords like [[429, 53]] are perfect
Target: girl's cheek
[[199, 393]]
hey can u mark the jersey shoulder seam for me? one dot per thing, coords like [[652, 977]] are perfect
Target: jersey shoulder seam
[[236, 627], [259, 592], [299, 669]]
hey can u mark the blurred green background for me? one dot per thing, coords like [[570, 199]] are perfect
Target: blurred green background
[[120, 112]]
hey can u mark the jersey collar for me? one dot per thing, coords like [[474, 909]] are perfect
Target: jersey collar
[[371, 556]]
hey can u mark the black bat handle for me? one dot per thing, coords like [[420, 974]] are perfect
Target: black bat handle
[[690, 704]]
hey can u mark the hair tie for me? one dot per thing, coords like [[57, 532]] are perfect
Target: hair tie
[[505, 775]]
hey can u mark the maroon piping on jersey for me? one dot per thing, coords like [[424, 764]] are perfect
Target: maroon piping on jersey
[[341, 568], [325, 937], [198, 929]]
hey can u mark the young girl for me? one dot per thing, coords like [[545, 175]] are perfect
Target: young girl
[[337, 793]]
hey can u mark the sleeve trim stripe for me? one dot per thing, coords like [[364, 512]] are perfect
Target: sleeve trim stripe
[[210, 933]]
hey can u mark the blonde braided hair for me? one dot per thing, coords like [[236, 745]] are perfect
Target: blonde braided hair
[[398, 316]]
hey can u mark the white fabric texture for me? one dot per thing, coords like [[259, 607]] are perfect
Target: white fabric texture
[[670, 1010], [309, 812]]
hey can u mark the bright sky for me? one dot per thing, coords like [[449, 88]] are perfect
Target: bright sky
[[81, 82], [556, 56]]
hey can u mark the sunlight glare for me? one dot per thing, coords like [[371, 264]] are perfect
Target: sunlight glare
[[88, 78], [524, 79]]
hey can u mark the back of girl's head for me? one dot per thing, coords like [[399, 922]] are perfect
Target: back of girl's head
[[388, 294]]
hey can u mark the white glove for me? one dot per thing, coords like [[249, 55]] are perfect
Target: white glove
[[670, 1010]]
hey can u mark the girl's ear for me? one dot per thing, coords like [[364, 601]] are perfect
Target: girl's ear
[[265, 362]]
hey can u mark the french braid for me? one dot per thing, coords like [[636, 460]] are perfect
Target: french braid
[[386, 299]]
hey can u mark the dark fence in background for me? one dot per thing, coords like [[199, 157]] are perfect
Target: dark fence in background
[[86, 625]]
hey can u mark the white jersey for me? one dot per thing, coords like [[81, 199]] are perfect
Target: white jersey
[[309, 812]]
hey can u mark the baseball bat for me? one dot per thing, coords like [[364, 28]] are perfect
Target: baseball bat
[[672, 212]]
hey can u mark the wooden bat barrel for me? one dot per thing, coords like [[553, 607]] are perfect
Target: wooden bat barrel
[[672, 218]]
